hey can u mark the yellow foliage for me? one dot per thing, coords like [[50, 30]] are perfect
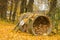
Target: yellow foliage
[[7, 33]]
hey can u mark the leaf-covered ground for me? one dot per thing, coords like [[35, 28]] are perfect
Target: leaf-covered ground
[[7, 33]]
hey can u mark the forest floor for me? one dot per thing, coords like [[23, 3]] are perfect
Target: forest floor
[[7, 33]]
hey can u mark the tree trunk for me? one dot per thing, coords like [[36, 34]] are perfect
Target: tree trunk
[[11, 10], [23, 6], [3, 8], [30, 6], [15, 9], [53, 4]]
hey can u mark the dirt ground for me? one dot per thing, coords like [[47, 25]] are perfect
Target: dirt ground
[[7, 33]]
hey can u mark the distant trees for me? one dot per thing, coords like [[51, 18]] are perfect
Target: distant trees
[[25, 6]]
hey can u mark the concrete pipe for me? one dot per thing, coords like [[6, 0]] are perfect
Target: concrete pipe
[[37, 24]]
